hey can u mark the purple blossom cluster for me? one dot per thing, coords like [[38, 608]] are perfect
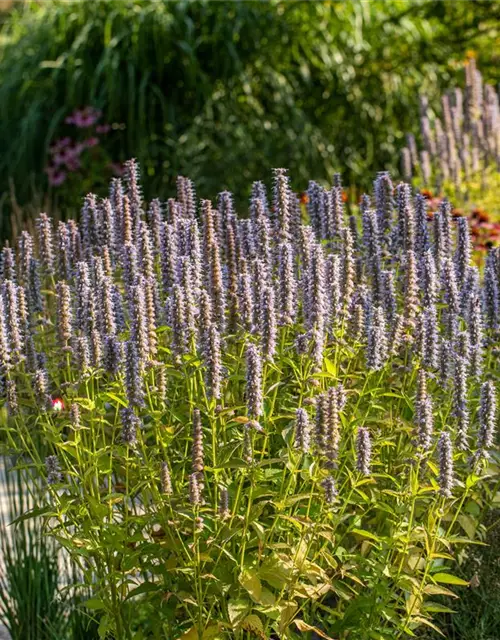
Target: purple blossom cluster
[[463, 140], [395, 288]]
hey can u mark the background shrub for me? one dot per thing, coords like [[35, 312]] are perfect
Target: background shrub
[[203, 87]]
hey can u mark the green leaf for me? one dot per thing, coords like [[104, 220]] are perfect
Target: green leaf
[[69, 447], [104, 627], [330, 367], [436, 607], [145, 587], [366, 534], [275, 572], [468, 525], [94, 604], [237, 609], [212, 631], [116, 398], [250, 581], [85, 403], [448, 578], [34, 513], [253, 624]]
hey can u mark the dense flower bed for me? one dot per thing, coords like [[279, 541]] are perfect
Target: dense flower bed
[[264, 425]]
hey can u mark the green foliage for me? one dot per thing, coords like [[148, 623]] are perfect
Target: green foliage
[[476, 616], [370, 562], [204, 87]]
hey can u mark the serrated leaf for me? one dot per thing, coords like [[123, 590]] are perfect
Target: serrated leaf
[[253, 624], [237, 610], [209, 633], [85, 403], [287, 611], [330, 367], [276, 573], [212, 631]]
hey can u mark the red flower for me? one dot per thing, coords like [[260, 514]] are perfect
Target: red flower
[[57, 404]]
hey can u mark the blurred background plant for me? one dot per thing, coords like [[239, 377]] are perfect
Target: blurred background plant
[[79, 159], [204, 87], [458, 154]]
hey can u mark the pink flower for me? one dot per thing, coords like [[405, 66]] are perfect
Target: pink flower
[[55, 176], [84, 118], [103, 128], [69, 156], [72, 164], [91, 142], [60, 144], [63, 156], [79, 147]]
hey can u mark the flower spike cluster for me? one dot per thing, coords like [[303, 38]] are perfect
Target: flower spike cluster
[[204, 332]]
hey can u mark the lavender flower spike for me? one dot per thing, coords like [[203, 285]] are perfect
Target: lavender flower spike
[[445, 452], [212, 358], [197, 454], [194, 490], [363, 451], [133, 380], [166, 479], [377, 347], [487, 417], [130, 424], [254, 382], [330, 489], [53, 469], [302, 430], [223, 504]]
